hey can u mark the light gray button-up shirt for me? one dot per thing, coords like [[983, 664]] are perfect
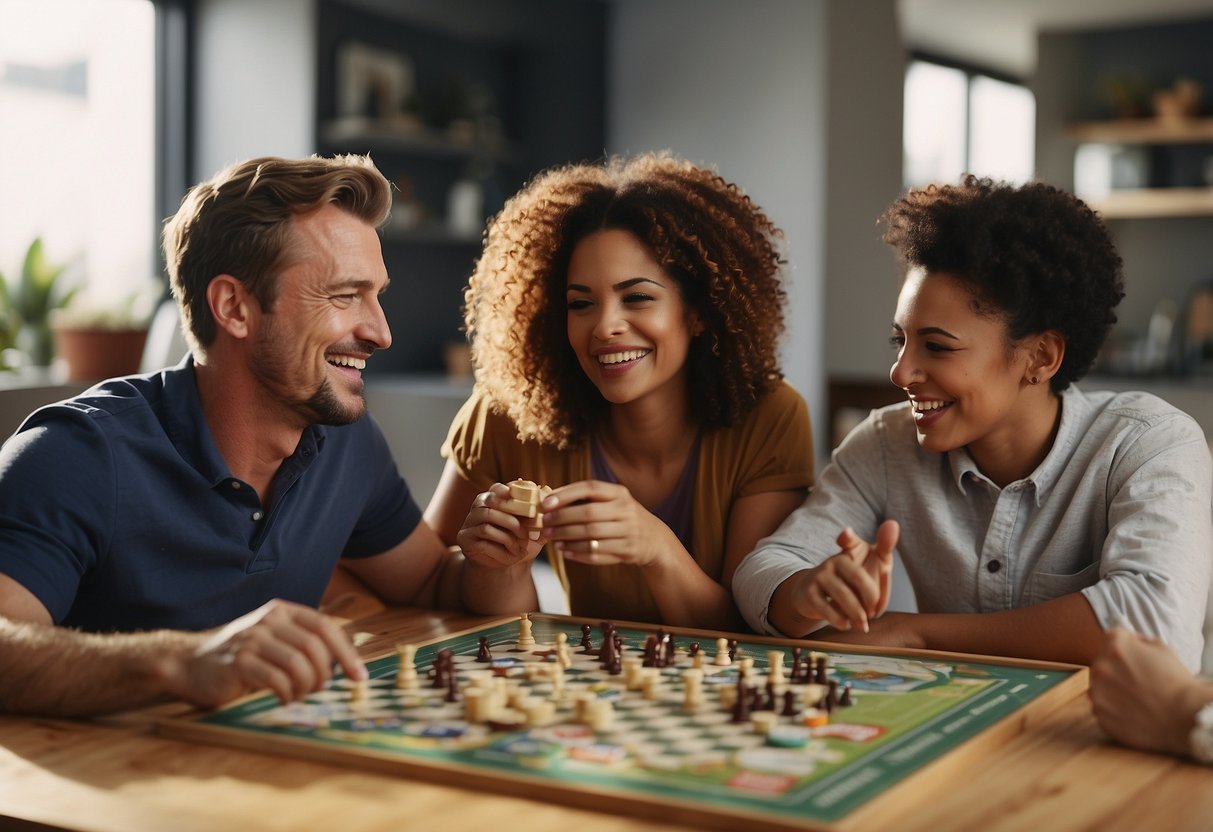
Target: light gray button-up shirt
[[1119, 510]]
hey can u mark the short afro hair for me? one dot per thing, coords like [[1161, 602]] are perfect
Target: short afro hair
[[1035, 253]]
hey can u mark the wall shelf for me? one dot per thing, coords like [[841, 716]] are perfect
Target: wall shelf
[[430, 234], [1146, 203], [398, 136], [1143, 131]]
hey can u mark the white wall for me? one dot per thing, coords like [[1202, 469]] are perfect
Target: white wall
[[256, 81], [739, 86]]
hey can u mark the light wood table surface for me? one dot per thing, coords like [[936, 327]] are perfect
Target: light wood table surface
[[115, 774]]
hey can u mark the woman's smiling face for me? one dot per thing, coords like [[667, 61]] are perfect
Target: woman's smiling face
[[958, 367], [627, 322]]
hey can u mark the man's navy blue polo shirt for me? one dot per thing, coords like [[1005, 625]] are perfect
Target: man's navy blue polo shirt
[[118, 513]]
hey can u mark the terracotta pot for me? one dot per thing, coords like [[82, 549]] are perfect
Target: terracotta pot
[[94, 354]]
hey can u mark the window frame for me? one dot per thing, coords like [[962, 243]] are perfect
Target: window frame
[[970, 71]]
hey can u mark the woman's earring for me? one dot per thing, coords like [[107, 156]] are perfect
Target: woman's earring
[[1035, 380]]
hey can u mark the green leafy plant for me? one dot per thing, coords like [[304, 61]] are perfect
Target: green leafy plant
[[27, 303]]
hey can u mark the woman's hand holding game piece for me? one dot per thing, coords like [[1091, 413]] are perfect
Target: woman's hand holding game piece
[[601, 524], [494, 537]]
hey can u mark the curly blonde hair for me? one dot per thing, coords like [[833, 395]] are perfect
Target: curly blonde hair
[[704, 232]]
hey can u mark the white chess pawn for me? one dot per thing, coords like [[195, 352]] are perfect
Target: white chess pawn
[[722, 653], [562, 650]]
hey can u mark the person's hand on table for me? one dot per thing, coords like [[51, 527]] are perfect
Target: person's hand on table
[[1142, 694], [286, 647]]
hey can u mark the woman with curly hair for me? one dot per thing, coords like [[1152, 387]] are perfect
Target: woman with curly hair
[[1030, 516], [624, 320]]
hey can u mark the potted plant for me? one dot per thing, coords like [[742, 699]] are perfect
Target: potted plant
[[98, 340], [26, 306]]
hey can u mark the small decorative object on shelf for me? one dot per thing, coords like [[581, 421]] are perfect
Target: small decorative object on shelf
[[1126, 94], [375, 84], [1181, 101]]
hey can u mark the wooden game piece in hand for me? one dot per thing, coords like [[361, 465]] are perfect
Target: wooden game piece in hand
[[525, 497]]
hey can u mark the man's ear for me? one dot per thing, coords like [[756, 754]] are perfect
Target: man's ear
[[231, 305]]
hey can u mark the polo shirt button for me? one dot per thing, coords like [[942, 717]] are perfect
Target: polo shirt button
[[257, 515], [235, 485], [993, 566]]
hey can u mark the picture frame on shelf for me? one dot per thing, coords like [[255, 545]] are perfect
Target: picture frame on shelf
[[375, 85]]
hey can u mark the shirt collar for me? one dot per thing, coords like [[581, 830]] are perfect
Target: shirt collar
[[187, 427], [1074, 406], [191, 435]]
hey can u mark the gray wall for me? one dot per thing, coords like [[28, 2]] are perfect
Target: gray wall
[[866, 77], [799, 102], [739, 86]]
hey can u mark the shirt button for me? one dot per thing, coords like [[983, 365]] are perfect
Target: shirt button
[[257, 515], [235, 485], [993, 566]]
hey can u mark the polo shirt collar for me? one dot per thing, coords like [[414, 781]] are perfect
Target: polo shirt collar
[[1074, 407], [191, 435]]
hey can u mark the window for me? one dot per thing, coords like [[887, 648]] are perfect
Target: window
[[78, 144], [962, 121]]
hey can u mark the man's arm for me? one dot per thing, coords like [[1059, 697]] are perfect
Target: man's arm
[[423, 571], [52, 670]]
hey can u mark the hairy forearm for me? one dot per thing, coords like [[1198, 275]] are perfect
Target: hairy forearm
[[56, 671]]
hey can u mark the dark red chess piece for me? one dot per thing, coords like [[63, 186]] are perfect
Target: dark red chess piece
[[789, 703], [741, 708], [650, 652]]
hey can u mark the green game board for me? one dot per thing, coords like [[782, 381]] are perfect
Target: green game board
[[656, 758]]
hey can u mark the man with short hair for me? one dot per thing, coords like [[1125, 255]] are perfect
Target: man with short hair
[[169, 535]]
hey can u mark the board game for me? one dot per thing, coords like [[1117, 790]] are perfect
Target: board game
[[674, 724]]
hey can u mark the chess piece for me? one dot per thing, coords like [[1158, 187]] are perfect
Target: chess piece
[[444, 664], [525, 497], [406, 671], [775, 666], [741, 708], [723, 659], [525, 640], [562, 651]]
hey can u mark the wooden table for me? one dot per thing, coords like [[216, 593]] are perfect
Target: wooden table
[[115, 774]]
